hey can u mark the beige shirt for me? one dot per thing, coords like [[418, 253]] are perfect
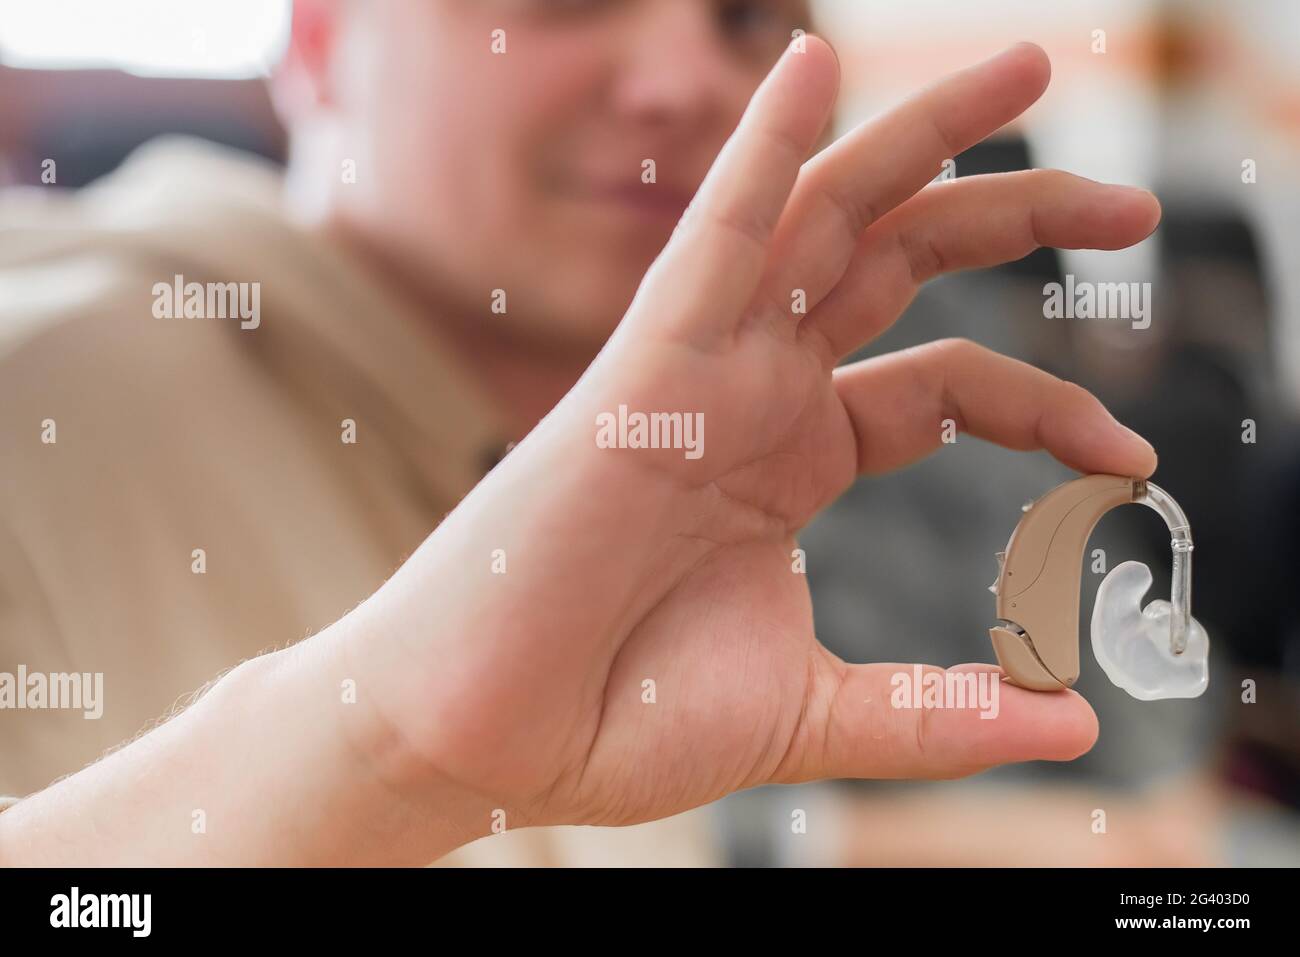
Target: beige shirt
[[177, 495]]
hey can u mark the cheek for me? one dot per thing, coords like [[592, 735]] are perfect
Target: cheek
[[464, 143]]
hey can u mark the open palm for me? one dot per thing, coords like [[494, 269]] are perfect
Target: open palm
[[607, 636]]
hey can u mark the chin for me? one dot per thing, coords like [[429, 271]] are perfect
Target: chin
[[604, 289], [594, 321], [568, 313], [615, 247]]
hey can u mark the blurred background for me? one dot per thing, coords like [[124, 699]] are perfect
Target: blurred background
[[1196, 99]]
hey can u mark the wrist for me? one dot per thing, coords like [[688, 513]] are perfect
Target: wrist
[[353, 791], [269, 767]]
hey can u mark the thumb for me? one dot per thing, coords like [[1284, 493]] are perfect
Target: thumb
[[921, 721]]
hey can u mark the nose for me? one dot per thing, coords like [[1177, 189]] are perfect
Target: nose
[[672, 66]]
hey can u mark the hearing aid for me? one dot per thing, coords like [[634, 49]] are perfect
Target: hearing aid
[[1153, 653]]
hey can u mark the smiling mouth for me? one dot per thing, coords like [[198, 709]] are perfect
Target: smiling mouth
[[655, 201]]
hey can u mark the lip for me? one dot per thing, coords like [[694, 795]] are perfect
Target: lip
[[656, 201]]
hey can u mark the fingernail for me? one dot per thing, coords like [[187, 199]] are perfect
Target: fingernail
[[1133, 436], [1133, 190]]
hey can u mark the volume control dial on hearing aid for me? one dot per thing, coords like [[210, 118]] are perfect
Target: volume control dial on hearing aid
[[1157, 652]]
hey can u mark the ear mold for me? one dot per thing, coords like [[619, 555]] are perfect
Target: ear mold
[[1132, 644]]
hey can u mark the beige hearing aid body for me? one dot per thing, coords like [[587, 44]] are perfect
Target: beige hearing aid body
[[1037, 637]]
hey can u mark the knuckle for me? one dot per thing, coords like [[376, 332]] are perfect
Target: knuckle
[[924, 258], [744, 223], [957, 348]]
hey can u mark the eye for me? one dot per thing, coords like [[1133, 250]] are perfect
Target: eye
[[763, 27], [741, 16]]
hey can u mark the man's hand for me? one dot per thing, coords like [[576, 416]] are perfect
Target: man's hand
[[504, 667], [507, 658]]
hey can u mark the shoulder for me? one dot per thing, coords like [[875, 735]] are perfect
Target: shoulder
[[81, 329], [106, 293], [103, 396]]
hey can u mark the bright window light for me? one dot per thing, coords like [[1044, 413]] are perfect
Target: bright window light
[[209, 38]]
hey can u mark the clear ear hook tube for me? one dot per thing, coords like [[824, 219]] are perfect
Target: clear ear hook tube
[[1180, 583]]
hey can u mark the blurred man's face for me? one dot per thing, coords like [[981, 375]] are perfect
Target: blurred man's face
[[526, 170]]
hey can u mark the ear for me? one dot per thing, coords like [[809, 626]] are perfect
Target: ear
[[304, 81]]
